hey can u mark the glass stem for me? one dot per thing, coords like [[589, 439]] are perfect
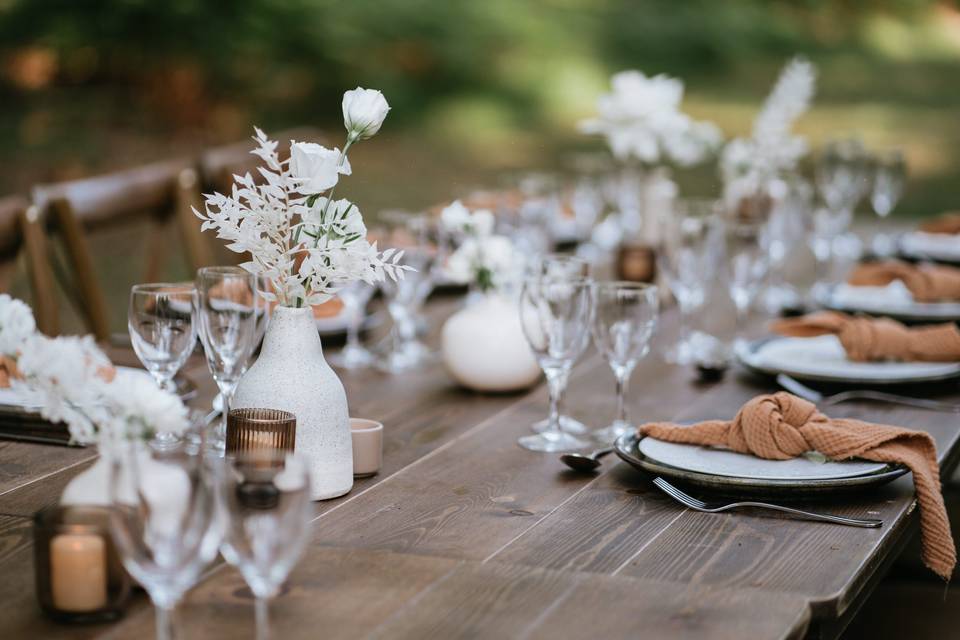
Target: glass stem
[[353, 329], [556, 381], [261, 608], [166, 624], [623, 379]]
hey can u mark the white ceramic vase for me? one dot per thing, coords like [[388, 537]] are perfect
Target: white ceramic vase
[[291, 374], [484, 348]]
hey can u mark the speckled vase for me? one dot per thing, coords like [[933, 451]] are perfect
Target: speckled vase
[[292, 374]]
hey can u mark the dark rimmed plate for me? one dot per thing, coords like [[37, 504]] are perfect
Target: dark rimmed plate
[[626, 448]]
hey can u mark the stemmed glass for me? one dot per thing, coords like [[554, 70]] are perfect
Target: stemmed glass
[[555, 313], [354, 355], [747, 260], [160, 320], [689, 254], [227, 318], [789, 220], [889, 175], [265, 495], [405, 298], [164, 521], [624, 319], [842, 178]]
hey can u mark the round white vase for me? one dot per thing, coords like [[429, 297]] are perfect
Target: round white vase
[[291, 374], [484, 348]]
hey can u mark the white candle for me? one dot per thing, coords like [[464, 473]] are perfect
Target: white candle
[[78, 572]]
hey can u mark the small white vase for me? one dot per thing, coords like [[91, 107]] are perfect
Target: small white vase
[[484, 348], [291, 374]]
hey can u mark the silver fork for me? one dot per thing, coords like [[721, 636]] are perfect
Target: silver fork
[[795, 387], [699, 505]]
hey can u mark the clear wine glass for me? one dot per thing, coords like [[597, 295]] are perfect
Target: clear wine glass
[[747, 261], [889, 176], [555, 265], [555, 314], [624, 319], [164, 521], [354, 355], [842, 177], [405, 298], [689, 254], [790, 219], [265, 495], [160, 320], [227, 319]]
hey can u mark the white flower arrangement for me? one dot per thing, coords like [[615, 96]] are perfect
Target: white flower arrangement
[[748, 164], [308, 244], [73, 382], [487, 260], [641, 120]]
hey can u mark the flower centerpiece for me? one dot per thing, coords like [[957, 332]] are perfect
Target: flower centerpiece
[[309, 245], [753, 167], [483, 344], [644, 127], [72, 382]]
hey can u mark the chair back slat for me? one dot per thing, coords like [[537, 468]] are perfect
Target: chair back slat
[[22, 233]]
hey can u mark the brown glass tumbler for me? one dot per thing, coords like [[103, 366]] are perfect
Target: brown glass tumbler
[[251, 430]]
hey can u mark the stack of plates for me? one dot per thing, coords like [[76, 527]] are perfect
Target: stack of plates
[[893, 301], [941, 247], [745, 475]]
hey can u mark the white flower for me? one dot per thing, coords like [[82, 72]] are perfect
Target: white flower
[[16, 324], [363, 112], [315, 167], [140, 409], [457, 219], [641, 119], [488, 261]]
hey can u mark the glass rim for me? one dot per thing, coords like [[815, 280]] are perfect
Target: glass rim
[[164, 287], [281, 416], [628, 285], [224, 270]]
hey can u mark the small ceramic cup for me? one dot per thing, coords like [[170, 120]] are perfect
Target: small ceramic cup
[[367, 447]]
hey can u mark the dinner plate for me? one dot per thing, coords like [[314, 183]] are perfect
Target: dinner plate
[[941, 247], [823, 358], [627, 447], [894, 301], [336, 325]]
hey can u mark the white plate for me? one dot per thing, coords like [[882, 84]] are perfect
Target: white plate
[[893, 300], [731, 464], [823, 358], [931, 246], [335, 325], [31, 401]]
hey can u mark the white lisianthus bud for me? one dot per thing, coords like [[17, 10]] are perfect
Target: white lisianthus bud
[[315, 167], [363, 112]]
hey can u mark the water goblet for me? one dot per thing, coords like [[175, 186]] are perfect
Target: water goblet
[[555, 314], [163, 332], [164, 521], [354, 355], [265, 497], [747, 260], [624, 319], [889, 175], [227, 315], [405, 298], [689, 253]]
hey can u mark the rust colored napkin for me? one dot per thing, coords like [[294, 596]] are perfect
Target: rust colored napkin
[[948, 223], [781, 426], [877, 339], [927, 283]]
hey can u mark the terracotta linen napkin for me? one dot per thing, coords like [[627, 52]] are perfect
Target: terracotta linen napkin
[[948, 223], [877, 339], [781, 426], [927, 283]]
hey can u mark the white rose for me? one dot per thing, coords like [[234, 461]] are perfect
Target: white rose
[[363, 112], [455, 217], [16, 324], [315, 167], [483, 222]]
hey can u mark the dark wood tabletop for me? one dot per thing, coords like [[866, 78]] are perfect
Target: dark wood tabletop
[[465, 534]]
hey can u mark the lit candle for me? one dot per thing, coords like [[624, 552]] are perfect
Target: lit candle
[[78, 572]]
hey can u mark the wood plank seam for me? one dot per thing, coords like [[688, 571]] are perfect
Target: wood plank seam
[[649, 542], [44, 477]]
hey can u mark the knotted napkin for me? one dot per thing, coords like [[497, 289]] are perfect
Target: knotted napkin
[[877, 339], [948, 223], [782, 426], [927, 283]]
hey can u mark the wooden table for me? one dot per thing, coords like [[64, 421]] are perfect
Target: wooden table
[[465, 534]]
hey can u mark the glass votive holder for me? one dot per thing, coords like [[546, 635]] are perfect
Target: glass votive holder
[[79, 575], [637, 263], [251, 430]]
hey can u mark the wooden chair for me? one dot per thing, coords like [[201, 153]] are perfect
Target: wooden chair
[[161, 193], [22, 234]]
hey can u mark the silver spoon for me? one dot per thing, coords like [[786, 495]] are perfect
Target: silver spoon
[[585, 463]]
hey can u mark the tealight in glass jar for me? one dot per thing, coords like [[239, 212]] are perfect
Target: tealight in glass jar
[[79, 576]]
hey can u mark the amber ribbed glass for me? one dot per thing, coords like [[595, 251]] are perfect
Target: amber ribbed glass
[[254, 429]]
